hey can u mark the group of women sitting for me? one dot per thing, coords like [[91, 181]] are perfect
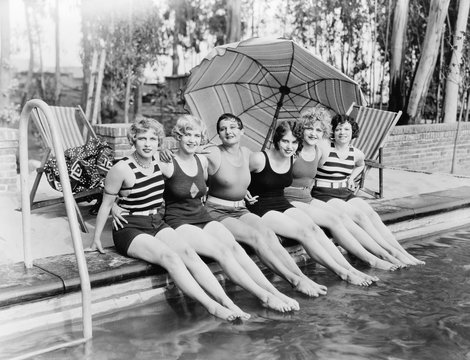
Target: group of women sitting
[[229, 195]]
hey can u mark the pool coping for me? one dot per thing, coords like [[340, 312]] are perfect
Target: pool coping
[[58, 275]]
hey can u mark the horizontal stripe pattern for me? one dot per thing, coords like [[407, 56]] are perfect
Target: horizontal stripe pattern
[[147, 192], [336, 169]]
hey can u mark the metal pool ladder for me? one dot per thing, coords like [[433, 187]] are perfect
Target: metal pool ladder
[[71, 214]]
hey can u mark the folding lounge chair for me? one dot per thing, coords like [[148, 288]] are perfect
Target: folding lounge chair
[[74, 130], [375, 126]]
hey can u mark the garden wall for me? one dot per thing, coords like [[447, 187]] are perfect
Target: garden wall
[[429, 147], [8, 153]]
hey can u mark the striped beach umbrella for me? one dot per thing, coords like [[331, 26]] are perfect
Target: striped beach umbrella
[[263, 80]]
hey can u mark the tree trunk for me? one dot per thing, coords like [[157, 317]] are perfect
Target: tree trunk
[[138, 98], [5, 51], [57, 55], [428, 58], [453, 77], [233, 21], [397, 49], [99, 84], [127, 96], [28, 88]]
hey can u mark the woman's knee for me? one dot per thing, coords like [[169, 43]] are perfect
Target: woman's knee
[[171, 261]]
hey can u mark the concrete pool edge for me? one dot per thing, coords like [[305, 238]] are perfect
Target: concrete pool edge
[[132, 282]]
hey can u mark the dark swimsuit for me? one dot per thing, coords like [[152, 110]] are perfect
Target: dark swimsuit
[[183, 198], [269, 186]]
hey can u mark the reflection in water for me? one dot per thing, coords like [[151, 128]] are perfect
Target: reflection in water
[[416, 313]]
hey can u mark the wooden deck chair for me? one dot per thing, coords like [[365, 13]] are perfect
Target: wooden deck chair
[[74, 130], [374, 127]]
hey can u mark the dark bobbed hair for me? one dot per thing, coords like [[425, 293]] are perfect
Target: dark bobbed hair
[[283, 128], [228, 116], [140, 125], [341, 119]]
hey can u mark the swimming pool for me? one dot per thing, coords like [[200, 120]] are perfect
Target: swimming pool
[[416, 313]]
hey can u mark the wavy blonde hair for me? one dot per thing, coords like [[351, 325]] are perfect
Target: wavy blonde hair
[[320, 114], [186, 123], [142, 124]]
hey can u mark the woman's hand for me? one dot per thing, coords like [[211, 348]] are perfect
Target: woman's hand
[[351, 184], [166, 155], [251, 199], [118, 214]]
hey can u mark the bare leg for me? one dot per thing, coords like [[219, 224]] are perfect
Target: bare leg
[[360, 218], [201, 272], [365, 252], [155, 251], [222, 234], [387, 235], [250, 229], [210, 246], [288, 226]]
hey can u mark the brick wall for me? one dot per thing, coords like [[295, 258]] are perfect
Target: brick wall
[[429, 147], [116, 136], [8, 151]]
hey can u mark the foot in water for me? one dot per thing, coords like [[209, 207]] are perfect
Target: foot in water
[[223, 313], [309, 287], [237, 311], [386, 265], [274, 303], [354, 279]]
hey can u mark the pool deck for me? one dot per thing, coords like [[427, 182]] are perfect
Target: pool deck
[[53, 283]]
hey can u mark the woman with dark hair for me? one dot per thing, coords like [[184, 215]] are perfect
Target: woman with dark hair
[[271, 172], [340, 164]]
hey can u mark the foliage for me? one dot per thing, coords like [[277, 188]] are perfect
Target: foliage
[[10, 115]]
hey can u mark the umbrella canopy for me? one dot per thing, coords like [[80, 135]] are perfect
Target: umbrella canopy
[[262, 80]]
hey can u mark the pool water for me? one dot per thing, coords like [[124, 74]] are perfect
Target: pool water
[[416, 313]]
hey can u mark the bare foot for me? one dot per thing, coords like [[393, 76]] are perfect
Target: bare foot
[[223, 313], [274, 303], [239, 312], [386, 265], [292, 303], [371, 278], [309, 287], [354, 279]]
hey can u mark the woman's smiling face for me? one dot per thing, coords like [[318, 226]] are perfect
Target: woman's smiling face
[[313, 133], [343, 133], [288, 144]]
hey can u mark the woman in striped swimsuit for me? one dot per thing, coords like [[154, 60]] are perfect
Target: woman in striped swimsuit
[[138, 182], [339, 165]]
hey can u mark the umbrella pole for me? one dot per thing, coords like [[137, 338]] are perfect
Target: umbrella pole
[[274, 122]]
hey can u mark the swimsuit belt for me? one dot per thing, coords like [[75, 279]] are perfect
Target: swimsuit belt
[[330, 184], [223, 202]]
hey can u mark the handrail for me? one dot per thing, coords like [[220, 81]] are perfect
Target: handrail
[[69, 205]]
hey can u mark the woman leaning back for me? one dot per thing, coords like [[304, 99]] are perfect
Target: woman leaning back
[[339, 165], [138, 183], [185, 187], [316, 126], [271, 172]]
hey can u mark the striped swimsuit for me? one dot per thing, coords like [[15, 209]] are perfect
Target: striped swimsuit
[[334, 169], [143, 203]]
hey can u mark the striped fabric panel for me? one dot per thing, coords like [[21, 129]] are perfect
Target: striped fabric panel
[[334, 169], [68, 126], [374, 126], [147, 192]]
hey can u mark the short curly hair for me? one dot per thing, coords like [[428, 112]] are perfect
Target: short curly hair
[[342, 119], [142, 124], [317, 114], [186, 123], [283, 128]]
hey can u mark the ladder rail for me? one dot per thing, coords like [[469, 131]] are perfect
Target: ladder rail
[[69, 205]]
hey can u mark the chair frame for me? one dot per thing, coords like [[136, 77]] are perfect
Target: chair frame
[[79, 137], [373, 156]]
